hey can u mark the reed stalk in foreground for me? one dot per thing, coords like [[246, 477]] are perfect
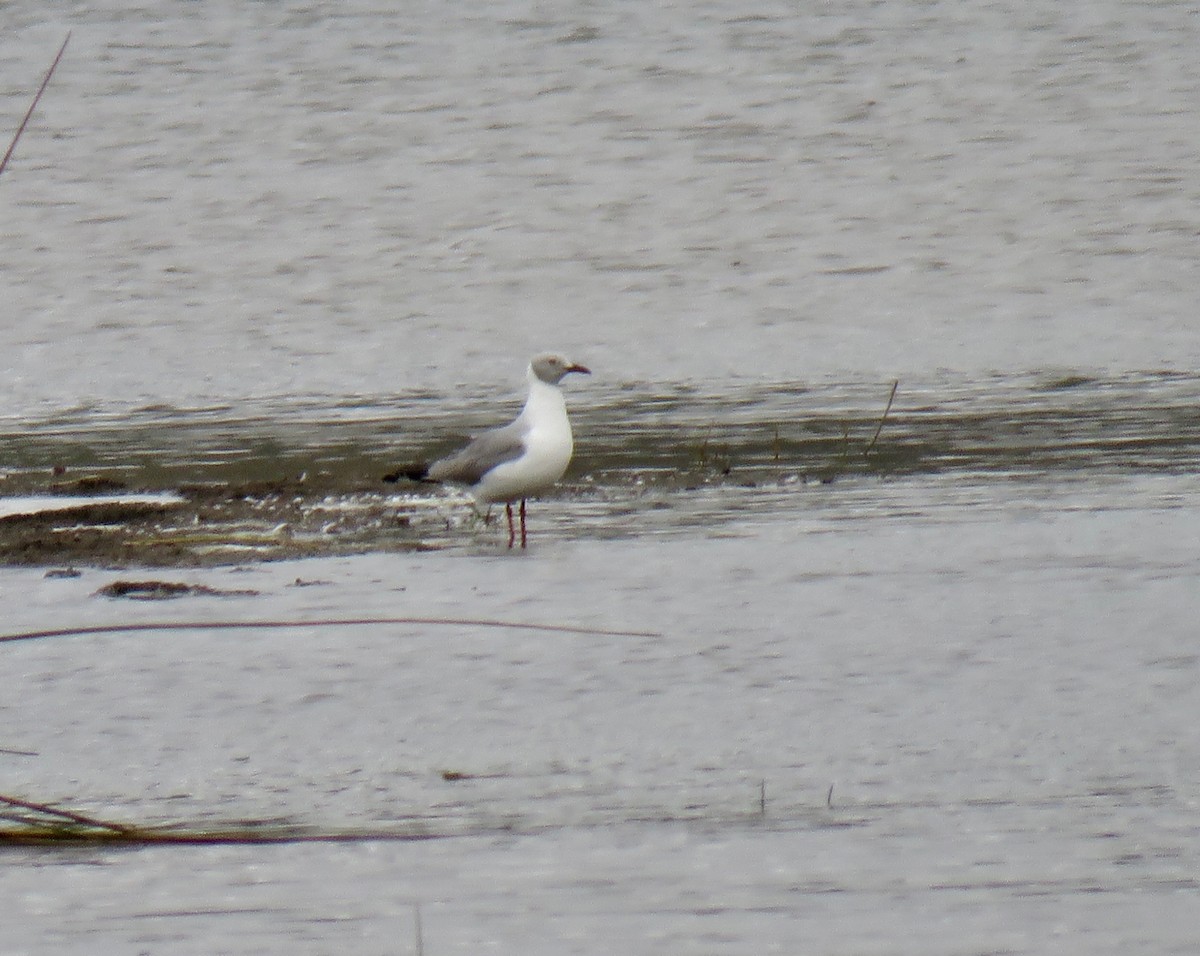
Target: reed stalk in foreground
[[41, 824], [32, 106], [151, 626], [882, 418], [61, 817]]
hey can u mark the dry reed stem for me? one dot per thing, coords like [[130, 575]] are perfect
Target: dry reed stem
[[67, 815], [32, 106], [882, 418], [326, 622], [62, 834]]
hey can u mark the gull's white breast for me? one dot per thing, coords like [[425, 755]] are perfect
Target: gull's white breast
[[548, 448]]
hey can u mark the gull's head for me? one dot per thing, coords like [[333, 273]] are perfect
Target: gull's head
[[551, 368]]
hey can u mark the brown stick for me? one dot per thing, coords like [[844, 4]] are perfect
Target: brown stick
[[152, 836], [32, 106], [327, 622], [64, 814], [882, 418]]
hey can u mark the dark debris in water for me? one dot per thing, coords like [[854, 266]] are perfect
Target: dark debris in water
[[165, 590], [87, 485]]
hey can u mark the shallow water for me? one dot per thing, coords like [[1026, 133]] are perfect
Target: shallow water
[[272, 202], [996, 679], [934, 697]]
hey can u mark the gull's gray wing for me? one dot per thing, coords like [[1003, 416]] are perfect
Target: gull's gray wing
[[484, 453]]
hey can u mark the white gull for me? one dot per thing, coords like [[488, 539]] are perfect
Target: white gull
[[520, 460]]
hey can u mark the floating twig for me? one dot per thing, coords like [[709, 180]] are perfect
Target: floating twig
[[882, 418], [68, 815], [151, 626], [32, 106], [65, 833]]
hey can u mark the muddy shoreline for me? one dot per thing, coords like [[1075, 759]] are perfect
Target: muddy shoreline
[[206, 525], [272, 483]]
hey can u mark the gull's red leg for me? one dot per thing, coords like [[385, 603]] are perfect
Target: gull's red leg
[[522, 522], [512, 534]]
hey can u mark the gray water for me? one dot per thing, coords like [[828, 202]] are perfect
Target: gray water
[[939, 699]]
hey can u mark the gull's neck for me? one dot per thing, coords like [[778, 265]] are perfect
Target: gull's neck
[[545, 401]]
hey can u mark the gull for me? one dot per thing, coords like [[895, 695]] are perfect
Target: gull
[[521, 459]]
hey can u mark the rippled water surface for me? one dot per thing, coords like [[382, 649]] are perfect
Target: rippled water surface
[[914, 682]]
